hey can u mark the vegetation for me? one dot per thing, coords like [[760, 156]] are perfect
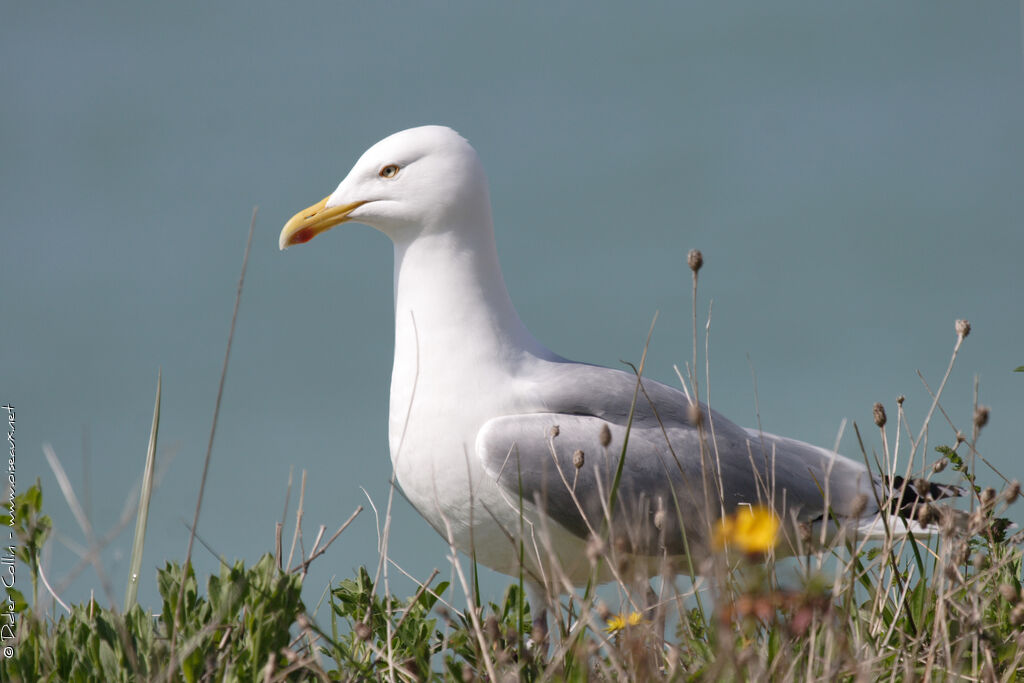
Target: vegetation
[[949, 609], [945, 606]]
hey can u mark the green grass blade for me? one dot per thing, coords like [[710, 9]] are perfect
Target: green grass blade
[[132, 590]]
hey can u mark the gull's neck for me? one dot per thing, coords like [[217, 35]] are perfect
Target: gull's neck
[[451, 304], [458, 339]]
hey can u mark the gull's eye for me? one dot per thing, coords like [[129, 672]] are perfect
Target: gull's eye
[[389, 171]]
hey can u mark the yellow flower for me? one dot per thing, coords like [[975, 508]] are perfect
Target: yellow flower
[[751, 529], [617, 622]]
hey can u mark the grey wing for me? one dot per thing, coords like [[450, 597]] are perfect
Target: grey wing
[[671, 481], [570, 476], [811, 475]]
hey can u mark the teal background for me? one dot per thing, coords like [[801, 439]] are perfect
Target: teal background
[[852, 172]]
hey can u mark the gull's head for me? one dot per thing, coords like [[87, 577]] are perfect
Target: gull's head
[[415, 181]]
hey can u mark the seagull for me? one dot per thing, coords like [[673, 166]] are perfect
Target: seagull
[[524, 459]]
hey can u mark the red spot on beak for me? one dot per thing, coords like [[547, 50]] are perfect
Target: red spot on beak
[[303, 236]]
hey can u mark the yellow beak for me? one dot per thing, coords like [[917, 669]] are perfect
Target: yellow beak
[[308, 223]]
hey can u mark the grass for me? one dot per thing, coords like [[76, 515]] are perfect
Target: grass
[[941, 607]]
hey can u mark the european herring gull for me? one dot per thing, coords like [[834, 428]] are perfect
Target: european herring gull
[[486, 422]]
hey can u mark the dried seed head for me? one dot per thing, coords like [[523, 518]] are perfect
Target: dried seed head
[[804, 529], [963, 328], [538, 634], [602, 611], [695, 415], [605, 437], [988, 497], [960, 438], [900, 399], [1009, 592], [659, 520], [595, 549], [940, 465], [980, 561], [1017, 614], [878, 411], [860, 502], [948, 523], [491, 629], [923, 488], [467, 674], [926, 515], [362, 631], [577, 458], [1012, 492], [695, 259], [976, 522], [981, 417], [555, 431]]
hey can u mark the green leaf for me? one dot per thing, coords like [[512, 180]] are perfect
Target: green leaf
[[135, 565]]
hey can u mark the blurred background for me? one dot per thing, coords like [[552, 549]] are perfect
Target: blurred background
[[852, 173]]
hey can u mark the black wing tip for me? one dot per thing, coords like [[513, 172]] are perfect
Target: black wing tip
[[907, 495]]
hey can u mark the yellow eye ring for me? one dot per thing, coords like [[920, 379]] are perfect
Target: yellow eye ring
[[389, 171]]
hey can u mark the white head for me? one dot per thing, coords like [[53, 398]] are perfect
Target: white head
[[418, 180]]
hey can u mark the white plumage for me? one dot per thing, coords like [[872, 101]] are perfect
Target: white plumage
[[475, 398]]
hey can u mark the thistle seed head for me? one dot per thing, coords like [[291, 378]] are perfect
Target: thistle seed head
[[695, 415], [695, 259], [538, 635], [981, 417], [362, 631], [577, 458], [976, 522], [605, 437], [948, 523], [926, 515], [900, 399], [1012, 492], [491, 629], [659, 520], [963, 328], [980, 561], [988, 497], [555, 431], [1009, 592], [595, 549], [878, 412], [940, 465]]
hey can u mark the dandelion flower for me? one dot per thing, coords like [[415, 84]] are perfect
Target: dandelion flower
[[751, 529], [617, 622]]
